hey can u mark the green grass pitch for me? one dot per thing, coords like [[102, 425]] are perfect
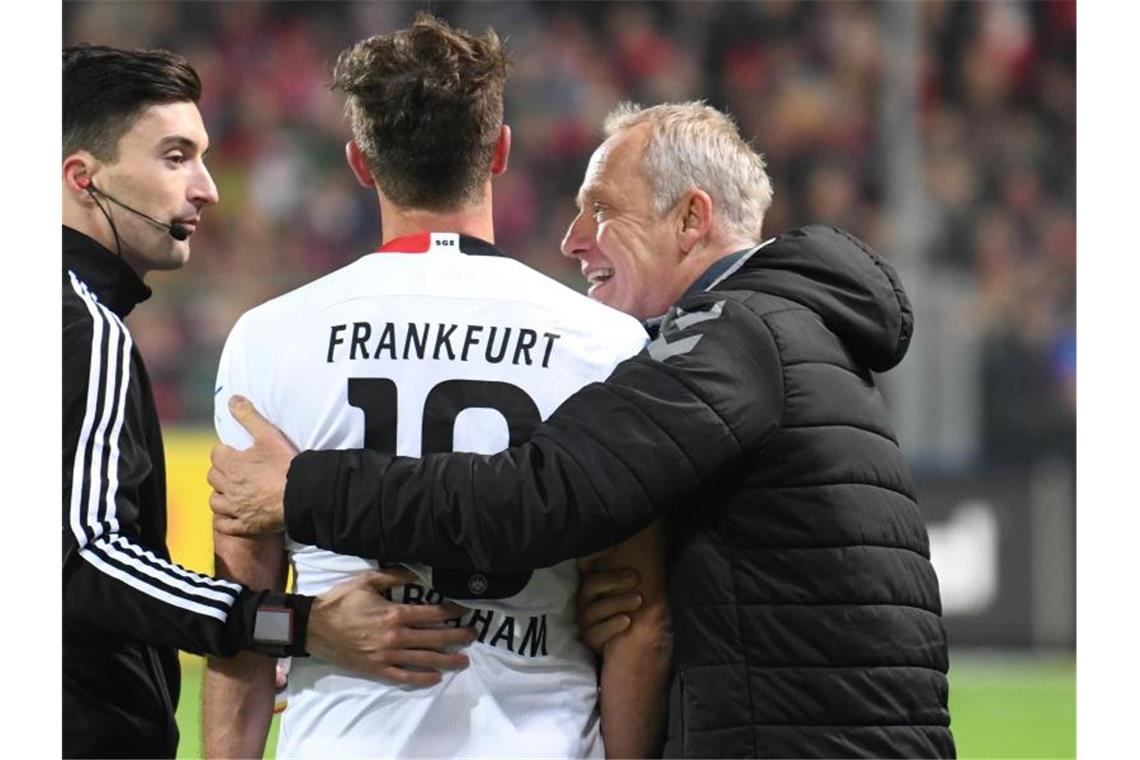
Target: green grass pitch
[[1001, 707]]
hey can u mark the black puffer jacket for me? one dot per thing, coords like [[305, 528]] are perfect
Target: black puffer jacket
[[806, 612]]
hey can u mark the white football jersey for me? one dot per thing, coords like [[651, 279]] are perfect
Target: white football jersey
[[407, 353]]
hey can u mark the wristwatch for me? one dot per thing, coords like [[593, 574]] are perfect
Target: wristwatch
[[281, 623]]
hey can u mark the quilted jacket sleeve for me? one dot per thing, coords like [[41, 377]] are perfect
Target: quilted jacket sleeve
[[614, 457]]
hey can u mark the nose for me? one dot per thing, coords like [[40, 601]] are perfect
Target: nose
[[203, 191], [579, 236]]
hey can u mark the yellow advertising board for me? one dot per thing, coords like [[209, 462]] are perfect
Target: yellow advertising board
[[189, 531]]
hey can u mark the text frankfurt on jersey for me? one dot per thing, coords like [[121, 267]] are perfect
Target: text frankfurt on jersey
[[441, 342]]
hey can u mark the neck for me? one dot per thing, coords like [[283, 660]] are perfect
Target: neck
[[474, 219], [725, 245], [92, 222], [82, 220], [700, 260], [715, 250]]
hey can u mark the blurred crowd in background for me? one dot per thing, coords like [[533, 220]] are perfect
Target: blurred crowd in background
[[994, 113]]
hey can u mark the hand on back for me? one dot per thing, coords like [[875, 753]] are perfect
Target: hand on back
[[352, 625]]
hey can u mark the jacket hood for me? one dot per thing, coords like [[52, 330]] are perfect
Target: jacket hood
[[854, 290]]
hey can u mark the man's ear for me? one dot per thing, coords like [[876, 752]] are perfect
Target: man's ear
[[696, 219], [502, 152], [77, 171], [358, 164]]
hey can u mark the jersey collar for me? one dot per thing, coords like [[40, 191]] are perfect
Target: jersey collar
[[114, 283], [440, 242]]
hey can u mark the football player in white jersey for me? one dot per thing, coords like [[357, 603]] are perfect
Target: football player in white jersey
[[437, 342]]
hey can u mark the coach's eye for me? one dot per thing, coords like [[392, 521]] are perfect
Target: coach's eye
[[598, 213], [175, 159]]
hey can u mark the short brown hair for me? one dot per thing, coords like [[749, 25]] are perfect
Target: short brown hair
[[106, 89], [426, 104]]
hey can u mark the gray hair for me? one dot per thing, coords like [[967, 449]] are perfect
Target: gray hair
[[695, 145]]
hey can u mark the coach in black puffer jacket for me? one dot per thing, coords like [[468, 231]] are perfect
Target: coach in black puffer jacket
[[806, 611]]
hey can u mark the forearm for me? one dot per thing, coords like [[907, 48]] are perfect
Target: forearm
[[123, 600], [237, 693], [611, 459], [237, 705], [636, 662], [634, 687], [600, 470], [373, 512]]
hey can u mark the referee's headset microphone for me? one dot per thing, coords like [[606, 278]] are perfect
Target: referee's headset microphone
[[176, 231]]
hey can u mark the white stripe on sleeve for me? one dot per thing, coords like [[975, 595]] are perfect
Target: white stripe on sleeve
[[111, 348], [150, 589], [94, 367], [154, 559]]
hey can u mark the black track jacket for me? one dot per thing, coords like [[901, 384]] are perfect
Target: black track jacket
[[806, 613], [126, 607]]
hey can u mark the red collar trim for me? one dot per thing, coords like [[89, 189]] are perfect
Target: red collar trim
[[417, 243]]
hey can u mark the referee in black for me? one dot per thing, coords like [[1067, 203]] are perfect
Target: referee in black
[[134, 187]]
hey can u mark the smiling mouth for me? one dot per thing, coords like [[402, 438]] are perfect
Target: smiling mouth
[[598, 277]]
